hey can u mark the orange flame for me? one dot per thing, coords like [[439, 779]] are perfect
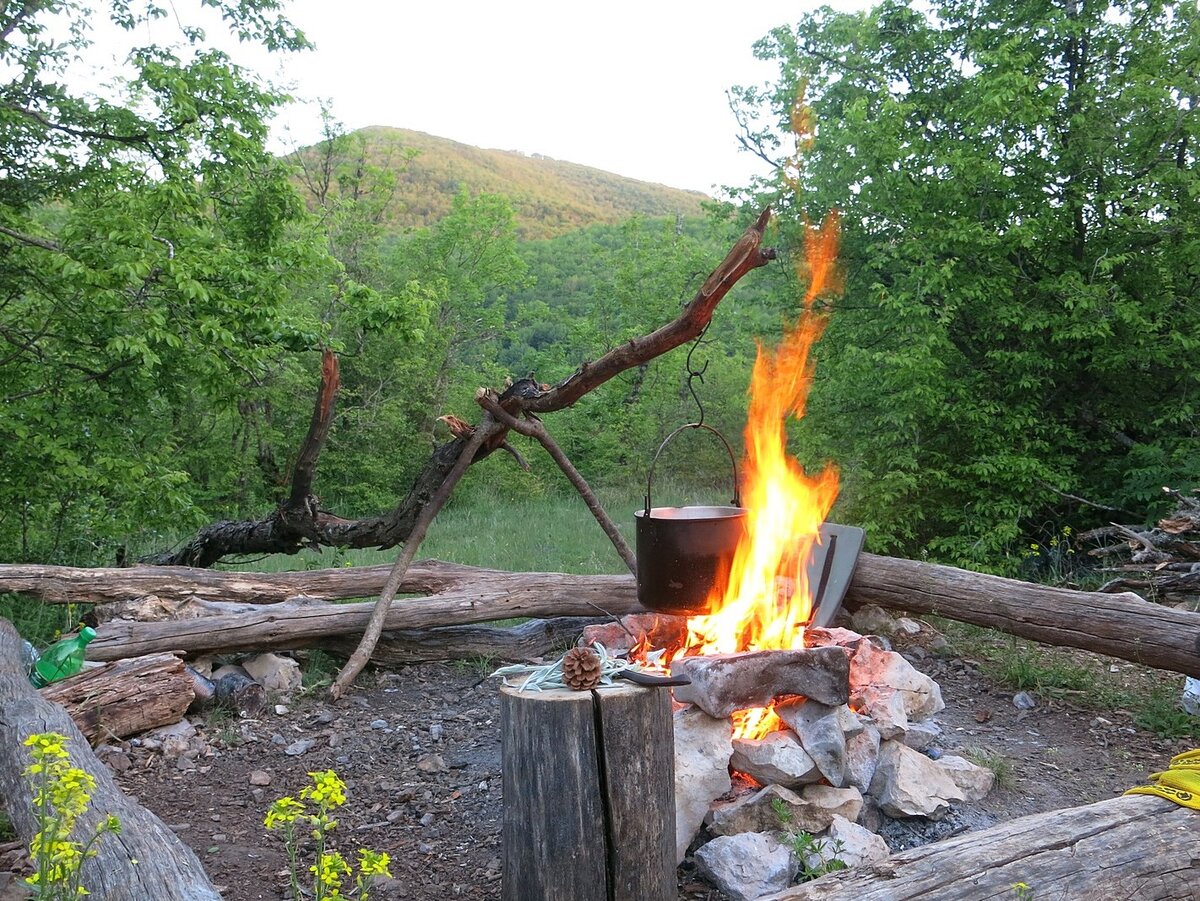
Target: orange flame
[[768, 600]]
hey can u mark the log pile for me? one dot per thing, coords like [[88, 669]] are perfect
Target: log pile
[[1162, 561]]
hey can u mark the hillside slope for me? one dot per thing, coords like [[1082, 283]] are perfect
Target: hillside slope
[[550, 197]]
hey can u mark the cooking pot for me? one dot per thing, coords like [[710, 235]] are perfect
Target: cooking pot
[[684, 554]]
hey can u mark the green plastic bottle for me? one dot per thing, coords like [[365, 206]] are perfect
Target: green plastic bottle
[[63, 658]]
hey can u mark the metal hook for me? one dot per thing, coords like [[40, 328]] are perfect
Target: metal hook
[[693, 374]]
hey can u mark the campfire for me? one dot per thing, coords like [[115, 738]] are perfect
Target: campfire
[[827, 725]]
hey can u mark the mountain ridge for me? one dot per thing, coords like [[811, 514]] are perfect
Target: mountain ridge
[[549, 197]]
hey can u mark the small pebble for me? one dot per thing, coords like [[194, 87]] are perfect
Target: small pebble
[[427, 820], [378, 724], [1023, 700]]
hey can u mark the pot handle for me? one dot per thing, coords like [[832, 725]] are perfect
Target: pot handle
[[737, 494]]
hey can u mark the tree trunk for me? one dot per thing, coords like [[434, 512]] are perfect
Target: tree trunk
[[589, 810], [304, 623], [1133, 846], [146, 860], [125, 697], [534, 638], [1119, 625]]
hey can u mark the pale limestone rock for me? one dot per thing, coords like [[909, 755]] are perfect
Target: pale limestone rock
[[852, 844], [776, 759], [819, 728], [884, 706], [747, 866], [274, 672], [703, 746], [862, 755], [760, 812], [920, 736], [872, 619], [972, 780], [842, 802], [909, 784]]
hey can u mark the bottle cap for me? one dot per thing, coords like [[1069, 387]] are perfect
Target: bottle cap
[[87, 633]]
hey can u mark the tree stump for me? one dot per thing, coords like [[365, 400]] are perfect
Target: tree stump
[[589, 795]]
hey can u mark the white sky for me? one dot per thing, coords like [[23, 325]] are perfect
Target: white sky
[[635, 88]]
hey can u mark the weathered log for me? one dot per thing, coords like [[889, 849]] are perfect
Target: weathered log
[[1119, 625], [69, 585], [125, 697], [589, 795], [1133, 846], [305, 623], [146, 860], [534, 638]]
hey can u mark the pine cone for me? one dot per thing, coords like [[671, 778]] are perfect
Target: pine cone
[[581, 669]]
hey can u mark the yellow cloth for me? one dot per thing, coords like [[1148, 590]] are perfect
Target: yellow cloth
[[1180, 783]]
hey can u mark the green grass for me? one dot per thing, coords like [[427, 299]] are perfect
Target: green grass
[[1059, 673], [1000, 765]]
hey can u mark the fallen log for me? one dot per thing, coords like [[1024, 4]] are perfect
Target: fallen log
[[306, 623], [125, 697], [70, 585], [1133, 846], [534, 638], [146, 860], [1118, 625]]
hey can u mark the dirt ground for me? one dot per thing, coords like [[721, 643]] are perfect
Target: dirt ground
[[419, 750]]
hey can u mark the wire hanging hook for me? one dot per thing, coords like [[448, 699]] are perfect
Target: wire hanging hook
[[693, 373]]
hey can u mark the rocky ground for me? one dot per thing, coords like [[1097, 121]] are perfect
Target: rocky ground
[[419, 750]]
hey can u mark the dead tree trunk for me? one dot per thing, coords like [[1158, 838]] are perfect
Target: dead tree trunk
[[1119, 625], [146, 860], [125, 697], [296, 525], [1133, 846]]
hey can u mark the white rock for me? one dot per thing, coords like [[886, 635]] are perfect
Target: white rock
[[871, 667], [920, 736], [862, 755], [909, 784], [906, 626], [842, 802], [884, 706], [819, 728], [771, 809], [747, 866], [972, 780], [174, 740], [273, 672], [873, 620], [776, 759], [852, 723], [702, 749], [852, 844]]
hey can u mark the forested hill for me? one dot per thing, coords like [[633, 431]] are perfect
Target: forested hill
[[549, 197]]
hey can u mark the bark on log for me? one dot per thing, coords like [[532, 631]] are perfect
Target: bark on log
[[1133, 846], [125, 697], [590, 797], [68, 585], [535, 638], [298, 624], [146, 860], [1119, 625]]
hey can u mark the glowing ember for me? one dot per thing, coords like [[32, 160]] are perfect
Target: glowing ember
[[769, 600]]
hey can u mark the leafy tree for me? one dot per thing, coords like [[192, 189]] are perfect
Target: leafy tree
[[145, 244], [1022, 251]]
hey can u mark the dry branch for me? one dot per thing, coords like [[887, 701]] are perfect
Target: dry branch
[[284, 534]]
